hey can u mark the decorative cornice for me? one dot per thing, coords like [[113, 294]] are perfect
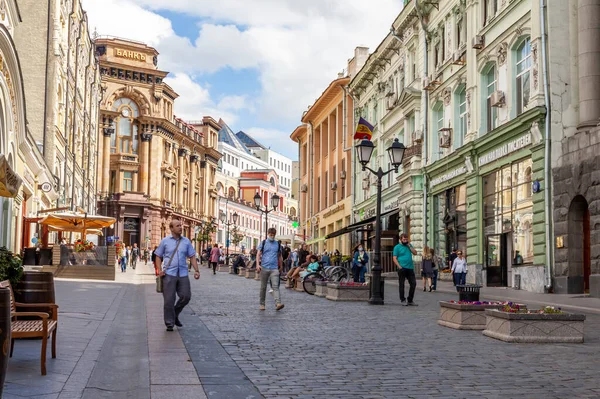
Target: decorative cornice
[[108, 131], [182, 152], [194, 158], [146, 137]]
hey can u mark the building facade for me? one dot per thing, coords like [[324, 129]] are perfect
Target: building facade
[[27, 184], [62, 86], [152, 166], [574, 59], [325, 144]]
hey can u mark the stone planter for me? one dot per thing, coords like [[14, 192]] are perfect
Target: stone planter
[[463, 316], [299, 286], [336, 292], [534, 327], [250, 273], [321, 288]]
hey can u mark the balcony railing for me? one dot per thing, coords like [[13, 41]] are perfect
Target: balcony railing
[[413, 151]]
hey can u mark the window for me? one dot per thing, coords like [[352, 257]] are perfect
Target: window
[[461, 123], [127, 128], [127, 181], [410, 129], [491, 113], [508, 206], [438, 123], [490, 7], [523, 75]]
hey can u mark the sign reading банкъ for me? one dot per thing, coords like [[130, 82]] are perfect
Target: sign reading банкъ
[[506, 149], [132, 55]]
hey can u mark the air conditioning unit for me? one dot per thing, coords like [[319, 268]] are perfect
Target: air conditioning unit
[[417, 136], [445, 140], [304, 188], [430, 82], [497, 99], [343, 174], [333, 186], [458, 58], [426, 82], [478, 42]]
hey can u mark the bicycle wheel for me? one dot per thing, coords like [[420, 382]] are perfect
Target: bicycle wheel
[[338, 274], [309, 282]]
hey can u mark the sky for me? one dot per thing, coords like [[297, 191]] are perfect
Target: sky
[[257, 64]]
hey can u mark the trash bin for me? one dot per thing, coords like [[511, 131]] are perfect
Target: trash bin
[[468, 292]]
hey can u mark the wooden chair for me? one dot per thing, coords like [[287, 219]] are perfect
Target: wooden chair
[[42, 327]]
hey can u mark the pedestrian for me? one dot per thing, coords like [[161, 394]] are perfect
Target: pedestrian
[[215, 254], [239, 262], [325, 259], [172, 255], [153, 259], [122, 258], [269, 262], [337, 257], [451, 258], [126, 256], [436, 269], [302, 253], [135, 254], [402, 257], [459, 269], [294, 256], [427, 269], [359, 264]]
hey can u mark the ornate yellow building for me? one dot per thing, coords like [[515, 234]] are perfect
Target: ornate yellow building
[[152, 166]]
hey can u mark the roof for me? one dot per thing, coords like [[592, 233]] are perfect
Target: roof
[[227, 136], [326, 98], [248, 140]]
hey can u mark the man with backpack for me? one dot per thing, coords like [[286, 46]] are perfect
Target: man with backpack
[[135, 254], [269, 262]]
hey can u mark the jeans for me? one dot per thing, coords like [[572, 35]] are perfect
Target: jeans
[[123, 264], [460, 279], [359, 273], [434, 280], [171, 286], [271, 276], [214, 267], [403, 275]]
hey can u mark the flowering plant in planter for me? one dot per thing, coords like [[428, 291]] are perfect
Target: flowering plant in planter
[[478, 302], [511, 307], [84, 245], [549, 310]]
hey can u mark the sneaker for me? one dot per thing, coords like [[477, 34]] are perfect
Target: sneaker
[[279, 306], [403, 301], [169, 328], [411, 304], [270, 290], [178, 323], [262, 307]]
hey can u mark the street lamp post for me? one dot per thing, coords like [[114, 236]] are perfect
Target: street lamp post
[[227, 223], [274, 203], [396, 152]]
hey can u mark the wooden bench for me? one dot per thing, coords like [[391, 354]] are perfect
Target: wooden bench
[[41, 327]]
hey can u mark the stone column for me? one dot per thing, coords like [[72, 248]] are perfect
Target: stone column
[[144, 163], [589, 61], [181, 153], [192, 185], [107, 133]]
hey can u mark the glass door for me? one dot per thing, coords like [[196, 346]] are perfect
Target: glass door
[[496, 261]]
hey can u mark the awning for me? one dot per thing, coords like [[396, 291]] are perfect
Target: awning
[[77, 222], [357, 225], [10, 182], [315, 240]]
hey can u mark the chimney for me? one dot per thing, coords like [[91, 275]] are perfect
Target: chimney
[[360, 57]]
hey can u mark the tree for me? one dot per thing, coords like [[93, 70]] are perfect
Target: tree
[[236, 236]]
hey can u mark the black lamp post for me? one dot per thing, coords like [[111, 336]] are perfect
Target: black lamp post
[[274, 203], [233, 221], [364, 151]]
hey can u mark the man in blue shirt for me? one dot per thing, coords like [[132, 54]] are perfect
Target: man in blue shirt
[[402, 257], [269, 262], [171, 260]]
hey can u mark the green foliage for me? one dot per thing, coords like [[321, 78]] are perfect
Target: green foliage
[[236, 236], [346, 258], [11, 266], [206, 230]]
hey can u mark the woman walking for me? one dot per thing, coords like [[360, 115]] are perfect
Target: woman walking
[[359, 264], [215, 254], [459, 269], [435, 270], [427, 269]]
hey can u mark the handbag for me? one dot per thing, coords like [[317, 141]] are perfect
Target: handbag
[[159, 279]]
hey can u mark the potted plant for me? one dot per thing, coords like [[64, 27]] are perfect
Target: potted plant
[[11, 266], [514, 323]]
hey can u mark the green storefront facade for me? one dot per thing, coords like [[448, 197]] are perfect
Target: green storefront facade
[[487, 199]]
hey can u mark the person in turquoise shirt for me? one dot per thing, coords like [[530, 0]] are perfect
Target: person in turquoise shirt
[[313, 266], [402, 257]]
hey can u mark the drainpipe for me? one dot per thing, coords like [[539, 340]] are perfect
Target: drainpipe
[[312, 181], [547, 142], [75, 113], [352, 155]]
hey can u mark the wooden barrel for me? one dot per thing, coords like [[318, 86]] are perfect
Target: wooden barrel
[[4, 334], [35, 287]]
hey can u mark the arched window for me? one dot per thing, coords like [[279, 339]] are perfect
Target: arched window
[[231, 193], [523, 69], [272, 181], [126, 140]]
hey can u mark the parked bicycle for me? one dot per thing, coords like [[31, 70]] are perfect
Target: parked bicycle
[[334, 274]]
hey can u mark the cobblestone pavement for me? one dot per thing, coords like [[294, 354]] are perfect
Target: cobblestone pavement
[[319, 348]]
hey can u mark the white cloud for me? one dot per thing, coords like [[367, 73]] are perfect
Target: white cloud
[[297, 47]]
